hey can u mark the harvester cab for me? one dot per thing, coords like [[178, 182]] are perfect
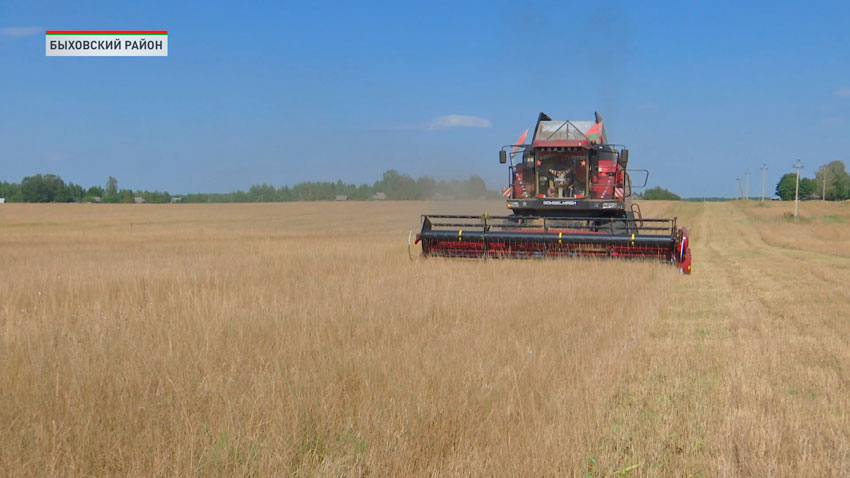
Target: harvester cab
[[569, 168], [570, 194]]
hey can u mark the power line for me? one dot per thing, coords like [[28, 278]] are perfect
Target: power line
[[798, 166], [763, 179]]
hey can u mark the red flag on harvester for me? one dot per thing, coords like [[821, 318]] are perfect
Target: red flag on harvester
[[594, 133], [520, 141]]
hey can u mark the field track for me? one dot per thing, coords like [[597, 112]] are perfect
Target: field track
[[299, 339], [759, 339]]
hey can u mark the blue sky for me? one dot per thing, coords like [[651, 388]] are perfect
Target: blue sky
[[279, 92]]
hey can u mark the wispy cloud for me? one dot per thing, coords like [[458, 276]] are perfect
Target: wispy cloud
[[459, 121], [18, 32], [832, 121], [843, 92], [441, 122]]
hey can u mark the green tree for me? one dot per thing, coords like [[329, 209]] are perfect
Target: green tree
[[807, 188], [837, 181], [474, 188], [95, 191], [659, 193], [125, 195], [11, 192], [396, 186], [426, 187], [111, 191], [785, 187], [75, 192], [262, 193], [44, 188]]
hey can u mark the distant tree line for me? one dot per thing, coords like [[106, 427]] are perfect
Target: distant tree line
[[659, 193], [836, 186], [831, 182], [707, 199], [51, 188], [393, 185]]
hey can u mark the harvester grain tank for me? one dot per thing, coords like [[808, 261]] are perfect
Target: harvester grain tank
[[570, 195]]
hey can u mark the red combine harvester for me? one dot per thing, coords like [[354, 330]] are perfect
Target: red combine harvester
[[570, 196]]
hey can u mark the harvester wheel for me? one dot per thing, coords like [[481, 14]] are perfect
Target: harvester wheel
[[621, 227], [515, 222]]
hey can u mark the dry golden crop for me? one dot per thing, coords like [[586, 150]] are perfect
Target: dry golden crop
[[819, 226], [299, 339]]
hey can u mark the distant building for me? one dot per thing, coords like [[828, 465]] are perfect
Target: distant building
[[342, 197], [97, 199], [2, 200], [379, 196], [139, 200], [174, 200]]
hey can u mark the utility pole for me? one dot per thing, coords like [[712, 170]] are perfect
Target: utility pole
[[740, 191], [824, 185], [747, 189], [798, 167], [763, 179]]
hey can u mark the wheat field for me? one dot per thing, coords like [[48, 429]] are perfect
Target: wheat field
[[299, 339]]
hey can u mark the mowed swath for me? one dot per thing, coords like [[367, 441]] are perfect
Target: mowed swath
[[259, 339]]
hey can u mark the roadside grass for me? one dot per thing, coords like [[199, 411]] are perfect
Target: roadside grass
[[819, 227]]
